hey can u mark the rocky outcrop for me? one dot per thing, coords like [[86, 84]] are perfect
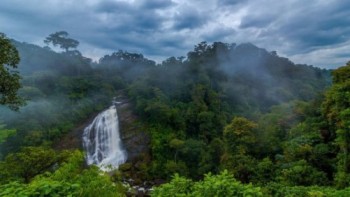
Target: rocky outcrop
[[73, 139], [134, 136]]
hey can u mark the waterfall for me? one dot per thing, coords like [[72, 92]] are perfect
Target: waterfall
[[102, 141]]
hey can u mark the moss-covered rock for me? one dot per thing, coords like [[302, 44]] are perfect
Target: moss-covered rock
[[125, 167]]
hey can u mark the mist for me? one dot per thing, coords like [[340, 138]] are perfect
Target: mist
[[137, 98], [64, 88], [222, 106]]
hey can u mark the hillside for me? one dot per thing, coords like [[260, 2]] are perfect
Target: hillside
[[234, 110]]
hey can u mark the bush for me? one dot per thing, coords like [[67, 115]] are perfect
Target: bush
[[223, 184]]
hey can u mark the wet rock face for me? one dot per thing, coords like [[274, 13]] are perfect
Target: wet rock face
[[134, 137]]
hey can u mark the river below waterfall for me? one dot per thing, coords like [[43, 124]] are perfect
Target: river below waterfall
[[102, 142]]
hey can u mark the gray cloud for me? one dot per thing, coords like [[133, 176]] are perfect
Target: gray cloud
[[229, 2], [156, 4], [300, 30], [189, 18]]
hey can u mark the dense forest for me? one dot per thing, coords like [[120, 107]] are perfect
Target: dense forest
[[226, 120]]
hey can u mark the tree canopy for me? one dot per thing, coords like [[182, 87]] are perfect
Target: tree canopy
[[9, 76], [231, 120], [61, 39]]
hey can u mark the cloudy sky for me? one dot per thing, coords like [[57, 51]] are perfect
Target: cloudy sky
[[313, 32]]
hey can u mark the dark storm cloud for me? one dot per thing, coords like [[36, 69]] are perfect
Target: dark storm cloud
[[113, 7], [219, 34], [299, 27], [189, 18], [343, 55], [301, 30], [128, 17], [257, 21], [229, 2], [130, 29], [321, 26], [157, 4]]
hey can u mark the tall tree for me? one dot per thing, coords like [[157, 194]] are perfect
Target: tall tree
[[9, 76], [336, 109], [240, 135], [61, 39]]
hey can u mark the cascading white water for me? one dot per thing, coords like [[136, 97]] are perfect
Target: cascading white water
[[102, 141]]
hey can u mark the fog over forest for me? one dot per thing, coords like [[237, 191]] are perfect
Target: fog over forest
[[174, 98]]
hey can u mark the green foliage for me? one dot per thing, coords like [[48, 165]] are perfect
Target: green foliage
[[278, 190], [5, 133], [92, 181], [61, 38], [65, 179], [242, 166], [341, 74], [265, 171], [40, 187], [9, 76], [337, 113], [179, 186], [240, 135], [54, 109], [33, 93], [26, 164], [301, 173], [177, 145], [222, 184], [191, 100], [179, 167], [186, 105]]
